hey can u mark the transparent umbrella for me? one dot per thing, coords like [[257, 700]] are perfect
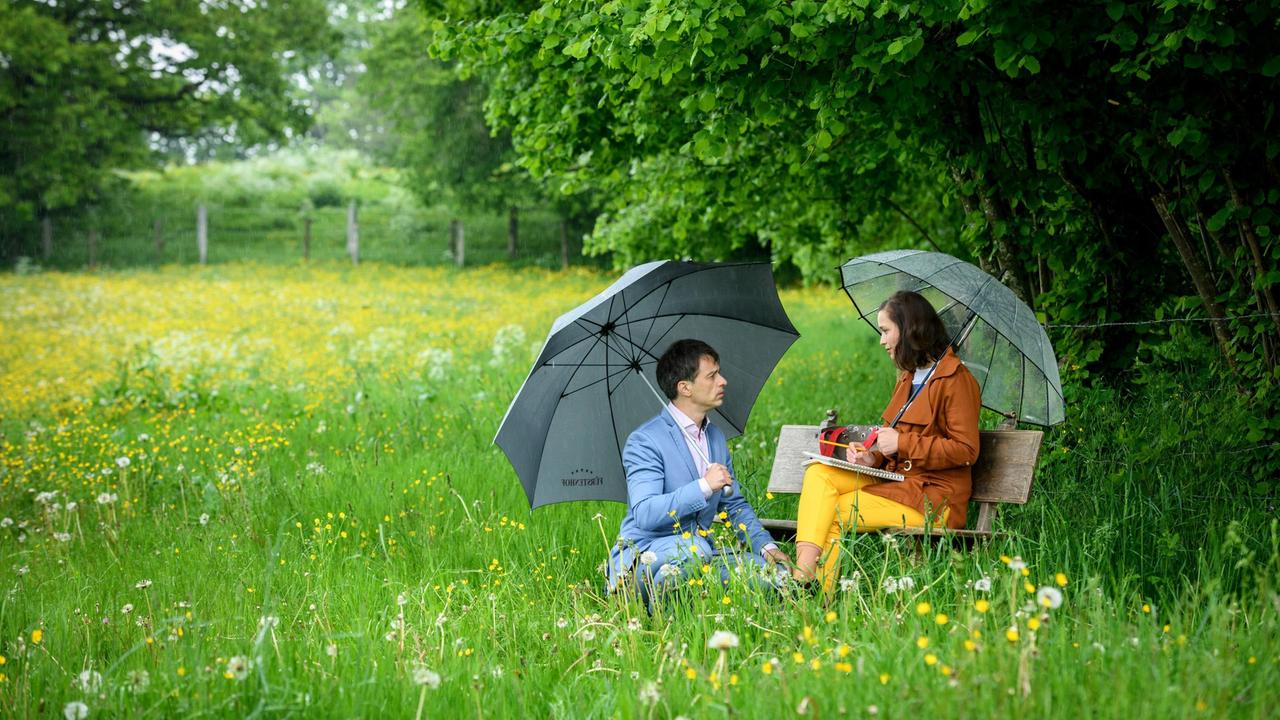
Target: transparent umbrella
[[994, 333]]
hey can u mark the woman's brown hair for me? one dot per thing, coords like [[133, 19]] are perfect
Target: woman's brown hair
[[922, 338]]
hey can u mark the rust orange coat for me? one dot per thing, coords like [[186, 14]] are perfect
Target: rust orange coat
[[938, 434]]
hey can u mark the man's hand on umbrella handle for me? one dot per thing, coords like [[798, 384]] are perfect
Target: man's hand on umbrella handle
[[718, 476]]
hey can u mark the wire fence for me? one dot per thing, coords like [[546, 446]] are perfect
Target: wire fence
[[147, 235]]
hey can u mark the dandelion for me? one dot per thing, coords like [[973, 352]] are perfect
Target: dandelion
[[1061, 579], [1050, 597], [204, 518], [237, 668], [848, 584], [426, 677], [62, 537], [562, 623], [940, 618], [884, 678], [906, 583], [89, 681], [588, 635], [138, 681], [922, 642], [722, 640], [128, 608], [268, 622], [1012, 634], [633, 624], [982, 584], [1016, 563], [331, 650], [923, 608], [930, 659], [648, 557], [75, 710], [37, 636], [667, 570], [107, 498], [1033, 624], [981, 605], [142, 584], [649, 693], [46, 498], [831, 616], [6, 522]]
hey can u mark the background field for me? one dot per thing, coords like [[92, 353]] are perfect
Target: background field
[[286, 503]]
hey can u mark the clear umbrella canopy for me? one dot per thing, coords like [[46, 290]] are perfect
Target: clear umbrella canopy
[[994, 333]]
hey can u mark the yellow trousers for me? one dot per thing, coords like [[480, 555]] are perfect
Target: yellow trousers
[[832, 503]]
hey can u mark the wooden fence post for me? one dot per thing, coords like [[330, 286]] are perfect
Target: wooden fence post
[[353, 234], [157, 226], [93, 249], [564, 244], [513, 231], [306, 238], [458, 242], [46, 237], [202, 233]]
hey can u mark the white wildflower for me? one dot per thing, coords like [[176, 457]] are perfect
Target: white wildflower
[[46, 497], [107, 498], [906, 583], [982, 584], [562, 623], [331, 650], [128, 608], [6, 522], [71, 506], [238, 667], [1050, 597], [423, 675], [588, 635], [648, 557], [269, 622], [1017, 564], [668, 570], [89, 681], [722, 640], [633, 624], [142, 584], [62, 537], [138, 681], [204, 518], [123, 462], [649, 693], [75, 710]]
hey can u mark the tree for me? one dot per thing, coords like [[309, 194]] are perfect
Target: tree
[[88, 87], [1105, 159]]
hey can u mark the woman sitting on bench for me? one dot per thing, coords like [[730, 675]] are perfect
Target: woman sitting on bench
[[934, 444]]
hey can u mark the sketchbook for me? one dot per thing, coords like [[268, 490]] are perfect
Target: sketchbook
[[838, 463]]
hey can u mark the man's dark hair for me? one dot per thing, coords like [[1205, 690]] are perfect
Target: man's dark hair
[[680, 362], [922, 338]]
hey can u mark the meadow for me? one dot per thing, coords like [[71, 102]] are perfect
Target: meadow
[[250, 490]]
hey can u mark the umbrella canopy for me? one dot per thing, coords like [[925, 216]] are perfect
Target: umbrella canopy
[[566, 427], [994, 333]]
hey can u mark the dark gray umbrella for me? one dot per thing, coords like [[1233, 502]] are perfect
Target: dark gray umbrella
[[593, 382], [994, 333]]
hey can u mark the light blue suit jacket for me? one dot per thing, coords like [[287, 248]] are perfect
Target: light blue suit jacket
[[661, 478]]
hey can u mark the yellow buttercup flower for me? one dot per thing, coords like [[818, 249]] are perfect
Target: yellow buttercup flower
[[1033, 624], [982, 606], [1061, 579], [37, 636], [1011, 634], [930, 659], [922, 642], [940, 618], [923, 608]]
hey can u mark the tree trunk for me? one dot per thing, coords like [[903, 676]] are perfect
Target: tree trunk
[[513, 231], [1199, 275], [458, 242]]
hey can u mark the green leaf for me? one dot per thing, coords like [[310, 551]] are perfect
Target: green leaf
[[1031, 64], [1115, 11], [823, 141], [1176, 137], [707, 102], [896, 46], [1272, 67], [967, 37], [800, 30], [1219, 219]]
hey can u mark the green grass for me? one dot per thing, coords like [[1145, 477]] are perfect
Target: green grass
[[1171, 568]]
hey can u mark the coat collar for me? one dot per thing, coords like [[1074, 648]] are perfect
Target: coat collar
[[921, 411]]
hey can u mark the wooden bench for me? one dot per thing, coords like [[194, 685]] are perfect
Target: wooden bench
[[1006, 464]]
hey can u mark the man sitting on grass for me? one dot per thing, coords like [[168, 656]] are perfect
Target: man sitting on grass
[[680, 498]]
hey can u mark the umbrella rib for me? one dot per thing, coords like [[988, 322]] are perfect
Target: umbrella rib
[[574, 374], [653, 318], [604, 378]]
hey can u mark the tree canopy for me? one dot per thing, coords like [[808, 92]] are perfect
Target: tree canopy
[[89, 87], [1107, 160]]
